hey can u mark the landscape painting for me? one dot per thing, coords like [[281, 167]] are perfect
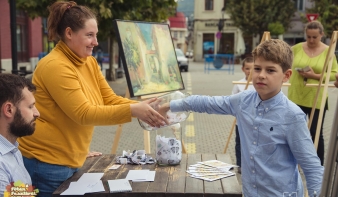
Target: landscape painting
[[148, 57]]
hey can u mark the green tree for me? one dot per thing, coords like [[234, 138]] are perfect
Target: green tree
[[254, 16], [328, 14], [107, 11]]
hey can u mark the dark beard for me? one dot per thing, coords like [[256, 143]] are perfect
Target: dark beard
[[19, 127]]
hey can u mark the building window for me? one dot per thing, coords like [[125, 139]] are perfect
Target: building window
[[209, 4], [175, 34], [299, 5], [208, 44], [181, 34], [21, 36]]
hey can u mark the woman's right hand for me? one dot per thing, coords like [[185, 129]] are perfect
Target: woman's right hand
[[336, 82], [147, 114]]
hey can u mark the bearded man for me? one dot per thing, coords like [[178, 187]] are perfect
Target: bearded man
[[17, 119]]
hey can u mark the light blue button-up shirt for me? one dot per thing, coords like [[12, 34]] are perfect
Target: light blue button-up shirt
[[274, 139], [11, 165]]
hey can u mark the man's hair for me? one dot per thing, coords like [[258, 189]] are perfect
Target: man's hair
[[11, 87], [276, 51], [247, 60]]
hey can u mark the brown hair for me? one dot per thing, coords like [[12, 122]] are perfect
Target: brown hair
[[247, 60], [64, 14], [276, 51], [314, 25], [11, 87]]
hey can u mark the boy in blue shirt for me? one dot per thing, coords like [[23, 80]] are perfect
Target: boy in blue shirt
[[273, 130]]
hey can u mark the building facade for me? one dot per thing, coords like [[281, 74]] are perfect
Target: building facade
[[208, 37], [28, 37], [178, 29]]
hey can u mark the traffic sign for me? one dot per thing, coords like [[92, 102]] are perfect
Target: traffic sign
[[311, 17]]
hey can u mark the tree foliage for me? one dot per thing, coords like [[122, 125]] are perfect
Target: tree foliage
[[328, 14], [254, 16], [107, 11]]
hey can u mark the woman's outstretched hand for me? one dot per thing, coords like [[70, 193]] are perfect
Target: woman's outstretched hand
[[145, 112]]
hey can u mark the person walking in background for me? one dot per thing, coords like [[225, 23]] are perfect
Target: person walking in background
[[247, 65], [311, 55], [273, 130], [99, 56], [72, 96], [17, 119]]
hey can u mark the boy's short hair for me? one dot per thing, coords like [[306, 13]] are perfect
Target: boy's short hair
[[247, 60], [276, 51]]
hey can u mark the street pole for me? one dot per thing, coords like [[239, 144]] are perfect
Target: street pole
[[12, 6]]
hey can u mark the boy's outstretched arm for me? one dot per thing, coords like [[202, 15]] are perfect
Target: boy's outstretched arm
[[302, 147]]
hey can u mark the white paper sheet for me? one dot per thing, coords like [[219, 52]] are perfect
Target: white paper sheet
[[137, 175]]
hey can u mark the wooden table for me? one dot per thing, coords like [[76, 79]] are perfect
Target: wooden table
[[169, 180]]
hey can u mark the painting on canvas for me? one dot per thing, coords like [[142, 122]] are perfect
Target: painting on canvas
[[148, 57]]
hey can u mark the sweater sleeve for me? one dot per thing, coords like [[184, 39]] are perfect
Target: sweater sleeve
[[62, 84], [108, 95]]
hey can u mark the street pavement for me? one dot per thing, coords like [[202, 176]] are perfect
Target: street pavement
[[202, 133]]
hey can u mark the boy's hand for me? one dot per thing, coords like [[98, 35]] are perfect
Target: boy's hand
[[163, 109]]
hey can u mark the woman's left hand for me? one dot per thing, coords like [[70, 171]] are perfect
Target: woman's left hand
[[310, 74], [93, 154]]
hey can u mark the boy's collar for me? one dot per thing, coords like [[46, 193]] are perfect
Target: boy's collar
[[268, 104]]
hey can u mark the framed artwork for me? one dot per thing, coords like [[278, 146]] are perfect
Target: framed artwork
[[148, 57]]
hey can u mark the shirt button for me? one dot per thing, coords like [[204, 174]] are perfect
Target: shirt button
[[254, 186], [260, 114], [266, 108], [251, 157], [255, 127], [254, 142], [253, 171]]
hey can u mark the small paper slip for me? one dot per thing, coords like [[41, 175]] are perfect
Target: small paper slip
[[140, 175], [150, 177], [119, 185], [114, 167]]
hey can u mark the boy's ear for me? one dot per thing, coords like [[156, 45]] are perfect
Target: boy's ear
[[287, 75]]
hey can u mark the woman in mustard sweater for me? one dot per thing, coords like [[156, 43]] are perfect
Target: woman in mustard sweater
[[72, 96], [310, 54]]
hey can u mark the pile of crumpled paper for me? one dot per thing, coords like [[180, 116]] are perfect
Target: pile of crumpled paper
[[136, 157]]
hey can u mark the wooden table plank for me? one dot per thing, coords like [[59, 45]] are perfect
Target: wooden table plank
[[86, 166], [170, 181], [230, 185], [177, 176], [141, 188], [211, 187], [159, 186], [193, 187]]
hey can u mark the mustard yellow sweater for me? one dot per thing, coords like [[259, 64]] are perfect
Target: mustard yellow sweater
[[72, 96], [298, 92]]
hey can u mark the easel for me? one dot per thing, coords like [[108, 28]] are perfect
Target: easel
[[330, 178], [266, 36], [326, 69], [146, 133]]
